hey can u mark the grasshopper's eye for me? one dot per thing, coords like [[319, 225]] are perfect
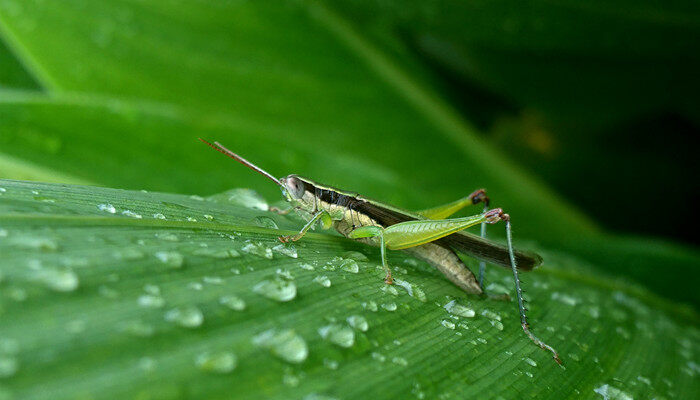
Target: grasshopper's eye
[[294, 186]]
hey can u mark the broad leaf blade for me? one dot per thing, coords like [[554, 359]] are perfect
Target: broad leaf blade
[[87, 299]]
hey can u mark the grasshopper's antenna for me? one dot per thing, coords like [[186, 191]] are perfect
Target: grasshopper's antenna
[[221, 149], [519, 293]]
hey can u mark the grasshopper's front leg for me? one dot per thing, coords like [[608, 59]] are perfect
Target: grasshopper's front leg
[[320, 215], [445, 210]]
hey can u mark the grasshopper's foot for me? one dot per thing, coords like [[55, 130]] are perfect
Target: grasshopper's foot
[[287, 239], [388, 279], [280, 211]]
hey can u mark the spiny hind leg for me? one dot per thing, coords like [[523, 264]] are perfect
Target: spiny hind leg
[[445, 210], [370, 232]]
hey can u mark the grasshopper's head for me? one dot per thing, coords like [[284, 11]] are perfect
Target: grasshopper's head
[[292, 187]]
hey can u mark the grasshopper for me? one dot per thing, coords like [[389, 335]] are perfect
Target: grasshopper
[[426, 234]]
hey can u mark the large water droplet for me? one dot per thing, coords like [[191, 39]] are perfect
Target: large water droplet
[[338, 334], [358, 322], [323, 281], [530, 361], [59, 280], [233, 302], [257, 248], [286, 249], [350, 265], [389, 306], [285, 344], [218, 363], [491, 315], [459, 310], [278, 289], [186, 317], [411, 289], [355, 255], [172, 259], [448, 324], [131, 214], [107, 208]]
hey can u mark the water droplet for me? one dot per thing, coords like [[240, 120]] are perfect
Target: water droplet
[[389, 306], [107, 208], [459, 310], [286, 249], [411, 289], [151, 301], [338, 334], [258, 249], [167, 236], [147, 364], [196, 197], [131, 214], [594, 312], [212, 280], [358, 322], [323, 281], [330, 364], [497, 324], [217, 363], [448, 324], [129, 254], [35, 243], [307, 267], [289, 379], [208, 217], [233, 302], [400, 361], [350, 265], [216, 253], [241, 197], [530, 361], [355, 255], [138, 328], [390, 289], [265, 222], [491, 315], [277, 289], [195, 286], [623, 332], [285, 344], [59, 280], [3, 232], [644, 380], [8, 366], [186, 317], [172, 259], [612, 393], [76, 326], [370, 305], [158, 216], [565, 298]]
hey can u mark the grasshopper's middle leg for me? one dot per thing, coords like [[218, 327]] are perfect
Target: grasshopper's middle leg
[[445, 210], [302, 232]]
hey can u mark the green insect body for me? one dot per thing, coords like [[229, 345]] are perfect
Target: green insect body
[[426, 234]]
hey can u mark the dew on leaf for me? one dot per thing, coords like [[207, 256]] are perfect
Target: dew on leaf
[[167, 236], [107, 208], [350, 265], [530, 361], [277, 289], [233, 302], [448, 324], [186, 316], [399, 361], [608, 392], [8, 366], [265, 222], [491, 315], [172, 259], [212, 280], [258, 249], [370, 305], [284, 344], [454, 308], [35, 243], [323, 280], [151, 301], [358, 322], [138, 328], [355, 255], [158, 216], [129, 213], [338, 334], [59, 280], [497, 324], [216, 253], [378, 356], [306, 266], [389, 306], [286, 249], [222, 362]]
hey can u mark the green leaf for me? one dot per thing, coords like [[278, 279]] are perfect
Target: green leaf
[[108, 293]]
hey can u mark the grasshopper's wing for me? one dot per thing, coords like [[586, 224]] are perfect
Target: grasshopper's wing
[[464, 242]]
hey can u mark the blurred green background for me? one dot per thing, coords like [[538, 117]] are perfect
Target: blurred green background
[[579, 118]]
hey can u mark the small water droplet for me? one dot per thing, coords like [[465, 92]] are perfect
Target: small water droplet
[[167, 236], [158, 216], [644, 380], [107, 292], [233, 302], [330, 364], [497, 324], [323, 281], [338, 334], [378, 356], [358, 322], [307, 267], [390, 289], [222, 362], [355, 255], [400, 361], [389, 306], [265, 222], [459, 310], [212, 280], [147, 364], [623, 332], [35, 243], [172, 259], [138, 328], [208, 217], [8, 366], [565, 298], [151, 301], [277, 289], [129, 254], [370, 305], [195, 286], [107, 208], [530, 361], [612, 393], [186, 317], [3, 232], [491, 315], [59, 280], [574, 357], [285, 344], [411, 289], [131, 214], [286, 249], [258, 249], [216, 253], [350, 265], [448, 324]]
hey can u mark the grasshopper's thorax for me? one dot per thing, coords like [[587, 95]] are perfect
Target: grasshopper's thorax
[[308, 197]]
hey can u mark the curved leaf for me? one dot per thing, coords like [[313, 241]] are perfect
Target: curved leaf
[[109, 293]]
